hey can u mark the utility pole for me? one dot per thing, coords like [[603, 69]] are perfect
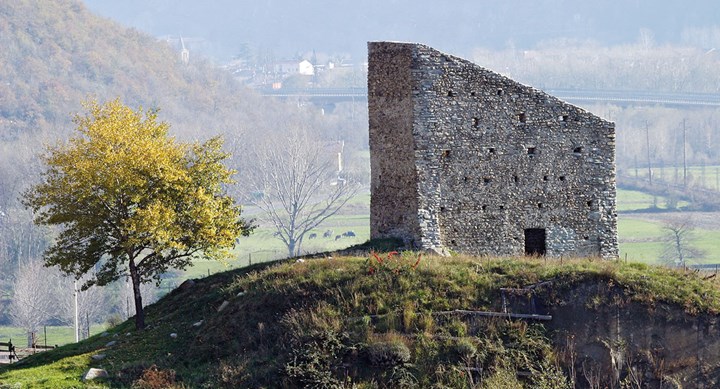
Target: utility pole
[[684, 156], [77, 322], [647, 139]]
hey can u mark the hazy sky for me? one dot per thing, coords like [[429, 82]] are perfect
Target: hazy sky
[[222, 27]]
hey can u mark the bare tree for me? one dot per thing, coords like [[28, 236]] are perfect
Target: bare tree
[[92, 302], [678, 246], [20, 239], [34, 302], [646, 40], [298, 183]]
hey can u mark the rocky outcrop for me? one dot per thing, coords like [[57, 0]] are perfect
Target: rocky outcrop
[[605, 339]]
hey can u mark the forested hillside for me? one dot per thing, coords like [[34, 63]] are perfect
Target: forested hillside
[[57, 54]]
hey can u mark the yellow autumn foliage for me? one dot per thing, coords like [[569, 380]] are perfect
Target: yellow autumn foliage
[[130, 199]]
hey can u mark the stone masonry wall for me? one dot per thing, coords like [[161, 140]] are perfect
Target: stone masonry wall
[[393, 180], [490, 159]]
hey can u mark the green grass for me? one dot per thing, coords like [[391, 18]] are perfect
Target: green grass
[[281, 318], [645, 241], [629, 200], [634, 229], [262, 246], [60, 374], [709, 242], [444, 284], [56, 335], [640, 240], [644, 252], [708, 177], [632, 200]]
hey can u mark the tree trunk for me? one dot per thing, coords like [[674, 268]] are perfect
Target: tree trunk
[[139, 313], [291, 248]]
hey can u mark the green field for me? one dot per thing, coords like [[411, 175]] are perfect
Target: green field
[[56, 335], [630, 228], [705, 177], [262, 246], [632, 200], [644, 241]]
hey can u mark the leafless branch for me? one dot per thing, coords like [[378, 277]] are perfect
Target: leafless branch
[[34, 301], [678, 241], [298, 187]]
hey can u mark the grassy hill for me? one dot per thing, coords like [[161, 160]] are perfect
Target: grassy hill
[[407, 320]]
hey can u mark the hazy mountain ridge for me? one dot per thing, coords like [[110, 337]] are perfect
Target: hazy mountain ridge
[[287, 27], [57, 54]]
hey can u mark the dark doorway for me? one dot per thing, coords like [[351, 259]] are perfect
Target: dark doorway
[[535, 241]]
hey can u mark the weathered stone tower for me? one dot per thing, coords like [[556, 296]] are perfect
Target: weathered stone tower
[[465, 159]]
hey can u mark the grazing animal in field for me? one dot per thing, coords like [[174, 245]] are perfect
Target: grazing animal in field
[[349, 234], [312, 236], [328, 234], [337, 237]]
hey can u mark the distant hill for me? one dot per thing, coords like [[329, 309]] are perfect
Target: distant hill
[[55, 54]]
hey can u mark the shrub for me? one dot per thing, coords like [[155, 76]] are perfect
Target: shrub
[[154, 378], [232, 374], [449, 377], [401, 377], [426, 322], [426, 349], [502, 379], [457, 328], [387, 322], [114, 320], [388, 353], [316, 345], [464, 349], [408, 316]]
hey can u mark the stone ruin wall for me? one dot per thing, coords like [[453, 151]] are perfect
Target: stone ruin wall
[[486, 158], [393, 177]]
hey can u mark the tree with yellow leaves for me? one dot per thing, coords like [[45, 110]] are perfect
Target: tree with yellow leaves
[[133, 202]]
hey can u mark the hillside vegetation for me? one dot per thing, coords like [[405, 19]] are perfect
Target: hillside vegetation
[[406, 320], [57, 54]]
